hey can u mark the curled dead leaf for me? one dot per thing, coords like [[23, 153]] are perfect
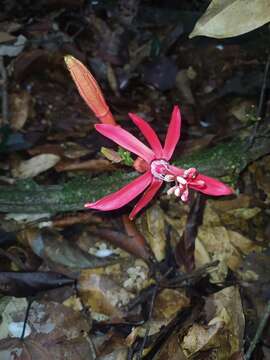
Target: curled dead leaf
[[20, 109], [58, 251], [223, 335], [35, 166]]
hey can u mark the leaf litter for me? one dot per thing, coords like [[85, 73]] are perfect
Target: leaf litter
[[170, 284]]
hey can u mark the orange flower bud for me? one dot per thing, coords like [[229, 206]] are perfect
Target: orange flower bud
[[89, 90], [140, 165]]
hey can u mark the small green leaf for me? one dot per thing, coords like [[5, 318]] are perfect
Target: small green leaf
[[125, 156]]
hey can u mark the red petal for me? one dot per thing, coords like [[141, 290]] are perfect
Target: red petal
[[122, 196], [126, 140], [213, 186], [176, 171], [149, 134], [173, 133], [147, 197]]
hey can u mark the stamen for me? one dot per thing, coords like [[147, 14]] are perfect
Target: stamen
[[184, 196], [160, 169], [177, 191], [183, 183]]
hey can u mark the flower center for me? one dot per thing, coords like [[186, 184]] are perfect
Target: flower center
[[159, 169]]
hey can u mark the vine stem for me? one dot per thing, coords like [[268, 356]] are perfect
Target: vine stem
[[259, 331]]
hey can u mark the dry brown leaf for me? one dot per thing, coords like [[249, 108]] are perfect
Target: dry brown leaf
[[6, 37], [55, 149], [261, 170], [79, 218], [54, 331], [119, 354], [171, 350], [111, 154], [102, 295], [223, 335], [112, 79], [226, 305], [204, 338], [240, 108], [168, 303], [35, 166], [90, 165], [184, 87], [73, 150], [20, 109], [227, 18], [227, 246], [152, 226]]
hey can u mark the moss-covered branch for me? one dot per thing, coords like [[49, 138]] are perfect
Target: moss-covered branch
[[224, 160]]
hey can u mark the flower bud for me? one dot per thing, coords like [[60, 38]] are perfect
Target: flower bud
[[140, 165], [89, 90]]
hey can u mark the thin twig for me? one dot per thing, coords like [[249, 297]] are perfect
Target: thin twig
[[29, 303], [3, 73], [258, 332], [259, 114], [139, 357], [184, 252], [86, 314], [189, 278]]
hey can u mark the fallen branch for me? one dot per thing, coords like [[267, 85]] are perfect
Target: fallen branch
[[3, 74], [225, 160]]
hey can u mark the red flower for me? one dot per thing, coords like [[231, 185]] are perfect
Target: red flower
[[157, 167]]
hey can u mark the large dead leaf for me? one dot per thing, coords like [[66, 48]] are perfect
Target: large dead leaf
[[227, 246], [223, 335], [227, 18], [152, 226], [102, 295]]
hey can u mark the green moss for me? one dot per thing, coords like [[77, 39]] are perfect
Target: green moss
[[224, 161]]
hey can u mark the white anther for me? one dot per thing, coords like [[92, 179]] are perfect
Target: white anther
[[177, 191], [171, 190], [169, 178]]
